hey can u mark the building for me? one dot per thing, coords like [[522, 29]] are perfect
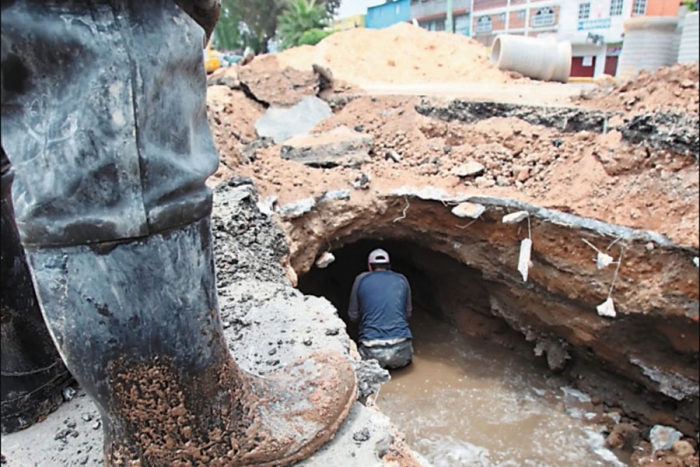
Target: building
[[350, 22], [431, 15], [388, 14], [594, 27], [595, 30]]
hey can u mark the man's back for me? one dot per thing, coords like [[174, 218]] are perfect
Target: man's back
[[383, 302]]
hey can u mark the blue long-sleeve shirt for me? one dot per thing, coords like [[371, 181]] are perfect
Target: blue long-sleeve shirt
[[381, 301]]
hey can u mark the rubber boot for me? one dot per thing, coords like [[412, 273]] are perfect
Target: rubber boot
[[33, 375], [138, 325]]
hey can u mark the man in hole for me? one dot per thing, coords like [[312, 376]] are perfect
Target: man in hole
[[381, 301]]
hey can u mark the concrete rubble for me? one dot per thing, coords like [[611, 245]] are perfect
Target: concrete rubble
[[280, 123], [340, 146]]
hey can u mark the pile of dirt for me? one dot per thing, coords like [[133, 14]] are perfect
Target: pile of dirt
[[669, 89], [400, 54], [601, 176]]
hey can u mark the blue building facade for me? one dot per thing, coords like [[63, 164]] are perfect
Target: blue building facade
[[388, 14]]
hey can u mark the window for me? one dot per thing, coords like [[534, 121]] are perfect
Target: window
[[483, 24], [639, 7], [502, 17], [543, 17], [616, 8], [584, 11], [522, 14]]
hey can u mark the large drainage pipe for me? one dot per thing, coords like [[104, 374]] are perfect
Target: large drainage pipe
[[542, 59], [690, 39], [648, 45]]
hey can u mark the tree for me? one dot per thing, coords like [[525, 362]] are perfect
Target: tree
[[313, 36], [258, 19], [227, 35], [300, 16], [332, 7]]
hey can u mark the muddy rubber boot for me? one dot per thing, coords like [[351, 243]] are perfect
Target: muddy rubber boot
[[33, 374], [137, 323]]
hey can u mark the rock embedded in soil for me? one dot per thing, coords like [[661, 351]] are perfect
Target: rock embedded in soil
[[471, 168], [663, 437], [683, 449], [471, 210], [280, 123], [338, 147]]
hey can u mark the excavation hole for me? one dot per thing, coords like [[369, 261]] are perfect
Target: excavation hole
[[475, 394]]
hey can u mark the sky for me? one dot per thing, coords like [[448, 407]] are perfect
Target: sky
[[356, 7]]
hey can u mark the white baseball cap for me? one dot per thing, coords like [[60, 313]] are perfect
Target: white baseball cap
[[378, 256]]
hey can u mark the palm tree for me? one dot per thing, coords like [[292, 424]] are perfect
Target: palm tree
[[299, 17]]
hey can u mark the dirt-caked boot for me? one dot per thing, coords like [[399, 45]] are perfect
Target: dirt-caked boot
[[138, 325], [33, 375]]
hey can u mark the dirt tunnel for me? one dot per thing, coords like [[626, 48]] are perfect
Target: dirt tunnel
[[643, 361], [440, 285]]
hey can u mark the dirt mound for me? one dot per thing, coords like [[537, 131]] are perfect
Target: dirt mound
[[589, 174], [276, 84], [401, 54], [669, 89]]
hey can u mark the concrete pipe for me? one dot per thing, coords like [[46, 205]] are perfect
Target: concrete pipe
[[542, 59], [689, 43], [648, 45]]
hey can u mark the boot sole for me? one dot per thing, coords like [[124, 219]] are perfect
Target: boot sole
[[318, 442]]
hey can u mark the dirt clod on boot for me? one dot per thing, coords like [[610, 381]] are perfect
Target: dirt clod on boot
[[243, 420]]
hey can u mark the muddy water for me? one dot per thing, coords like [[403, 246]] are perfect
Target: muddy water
[[466, 402]]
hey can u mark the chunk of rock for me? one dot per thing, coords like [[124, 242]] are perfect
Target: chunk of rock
[[297, 209], [471, 210], [227, 76], [471, 168], [662, 437], [326, 259], [282, 123], [522, 174], [683, 449], [340, 146], [484, 182], [268, 82], [623, 436]]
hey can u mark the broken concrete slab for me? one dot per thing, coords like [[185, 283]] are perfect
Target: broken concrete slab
[[297, 208], [227, 76], [268, 81], [340, 146], [471, 210], [470, 168], [281, 123]]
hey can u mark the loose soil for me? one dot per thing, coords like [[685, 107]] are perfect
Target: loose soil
[[669, 89], [401, 54], [592, 175]]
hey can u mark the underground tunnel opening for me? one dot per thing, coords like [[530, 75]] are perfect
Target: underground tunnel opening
[[475, 394]]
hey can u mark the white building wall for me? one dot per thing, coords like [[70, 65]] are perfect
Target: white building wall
[[599, 22]]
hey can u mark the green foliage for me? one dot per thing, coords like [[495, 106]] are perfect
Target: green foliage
[[299, 17], [313, 36], [691, 5], [258, 21], [227, 34]]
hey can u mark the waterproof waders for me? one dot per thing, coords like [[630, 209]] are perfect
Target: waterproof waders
[[104, 121], [33, 374]]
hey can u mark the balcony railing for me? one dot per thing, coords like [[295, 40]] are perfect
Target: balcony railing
[[420, 9]]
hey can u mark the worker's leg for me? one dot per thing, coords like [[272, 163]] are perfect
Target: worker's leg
[[138, 324], [33, 374], [104, 120], [392, 356]]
